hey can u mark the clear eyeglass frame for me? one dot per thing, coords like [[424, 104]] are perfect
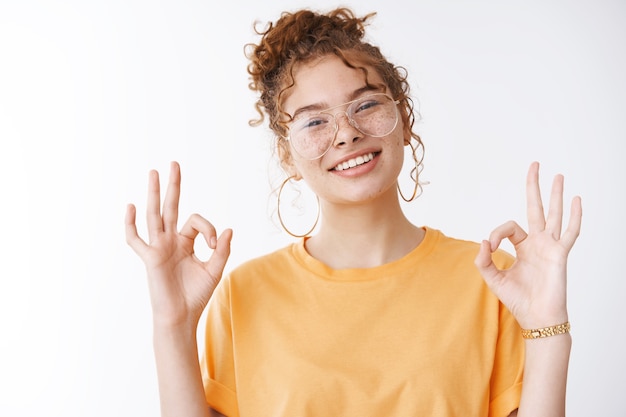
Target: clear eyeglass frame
[[349, 113]]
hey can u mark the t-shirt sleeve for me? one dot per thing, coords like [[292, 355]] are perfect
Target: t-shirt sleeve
[[508, 369], [217, 363]]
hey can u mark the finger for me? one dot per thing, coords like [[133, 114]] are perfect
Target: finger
[[172, 197], [197, 224], [534, 205], [509, 230], [485, 265], [132, 237], [573, 227], [219, 257], [221, 246], [555, 212], [153, 211]]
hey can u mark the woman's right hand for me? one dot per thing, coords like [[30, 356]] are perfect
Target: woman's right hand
[[180, 284]]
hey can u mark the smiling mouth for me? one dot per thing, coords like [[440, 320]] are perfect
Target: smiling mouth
[[355, 162]]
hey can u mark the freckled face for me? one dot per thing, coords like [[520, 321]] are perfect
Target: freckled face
[[357, 167]]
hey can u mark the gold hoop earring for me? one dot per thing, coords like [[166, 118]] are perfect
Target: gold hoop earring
[[414, 174], [280, 218]]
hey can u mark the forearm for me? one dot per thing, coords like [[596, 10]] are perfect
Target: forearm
[[545, 376], [178, 371]]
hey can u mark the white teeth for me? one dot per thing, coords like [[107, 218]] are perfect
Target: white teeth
[[351, 163]]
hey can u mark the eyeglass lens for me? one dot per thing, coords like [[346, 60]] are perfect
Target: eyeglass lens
[[374, 115]]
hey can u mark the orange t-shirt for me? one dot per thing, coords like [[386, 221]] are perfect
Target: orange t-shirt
[[420, 336]]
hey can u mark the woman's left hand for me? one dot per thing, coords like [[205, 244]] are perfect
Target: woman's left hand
[[534, 288]]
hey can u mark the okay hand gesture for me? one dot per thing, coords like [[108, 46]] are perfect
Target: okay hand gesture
[[180, 284], [534, 287]]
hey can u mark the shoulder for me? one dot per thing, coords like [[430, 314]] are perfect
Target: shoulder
[[280, 262], [269, 260], [255, 275], [456, 248]]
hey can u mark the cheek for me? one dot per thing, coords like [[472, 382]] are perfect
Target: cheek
[[400, 147], [397, 140], [405, 130]]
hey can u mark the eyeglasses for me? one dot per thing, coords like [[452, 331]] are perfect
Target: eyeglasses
[[312, 134]]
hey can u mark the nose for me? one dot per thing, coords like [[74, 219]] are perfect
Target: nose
[[346, 131]]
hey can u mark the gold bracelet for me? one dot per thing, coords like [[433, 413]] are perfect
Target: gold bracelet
[[546, 331]]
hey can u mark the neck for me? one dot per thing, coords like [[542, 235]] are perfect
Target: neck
[[363, 235]]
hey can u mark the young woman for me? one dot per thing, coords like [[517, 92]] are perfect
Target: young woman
[[371, 316]]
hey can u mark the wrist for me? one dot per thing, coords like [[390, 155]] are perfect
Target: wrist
[[548, 331], [543, 319], [559, 345], [184, 329]]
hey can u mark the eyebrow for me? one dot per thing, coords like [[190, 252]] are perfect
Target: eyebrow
[[323, 106]]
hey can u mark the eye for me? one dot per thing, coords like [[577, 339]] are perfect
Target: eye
[[366, 105], [310, 123], [313, 122]]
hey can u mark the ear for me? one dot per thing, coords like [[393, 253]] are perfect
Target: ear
[[286, 159]]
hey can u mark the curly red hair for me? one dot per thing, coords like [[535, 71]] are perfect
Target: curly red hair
[[305, 35]]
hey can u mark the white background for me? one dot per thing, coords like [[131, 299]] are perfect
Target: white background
[[94, 94]]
